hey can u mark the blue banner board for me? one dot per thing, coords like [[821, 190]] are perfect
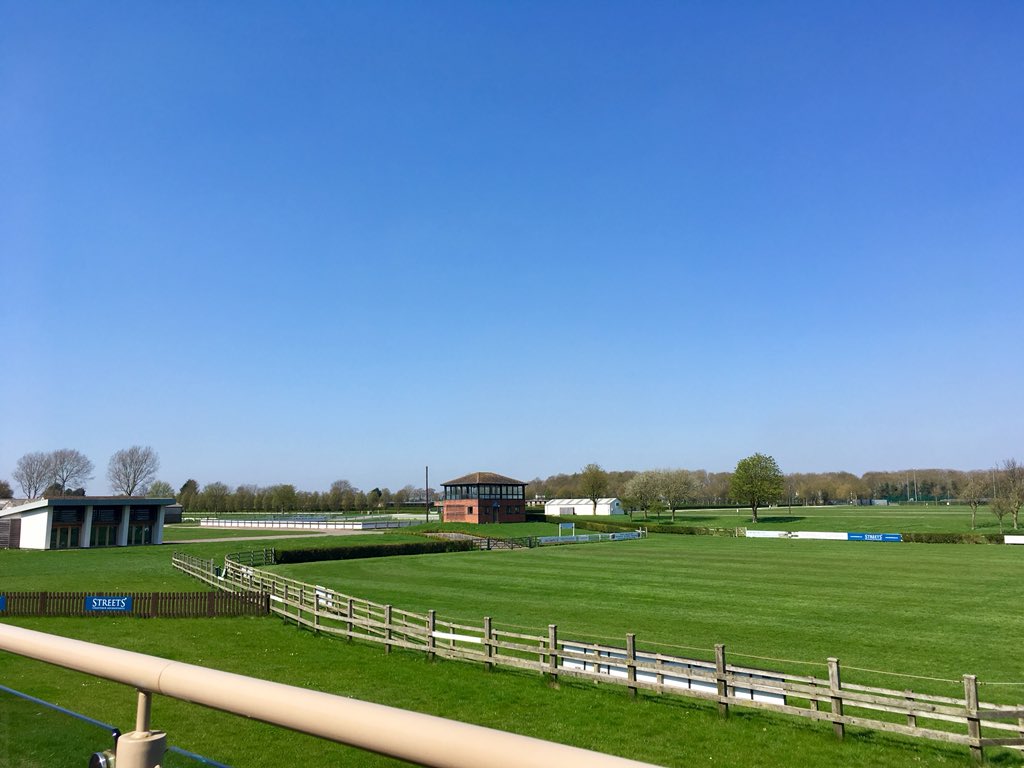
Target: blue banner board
[[109, 604], [874, 537], [3, 602]]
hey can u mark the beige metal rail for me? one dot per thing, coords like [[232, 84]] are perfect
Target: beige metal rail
[[411, 736]]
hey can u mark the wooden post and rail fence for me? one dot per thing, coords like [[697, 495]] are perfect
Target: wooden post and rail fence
[[157, 605], [958, 720]]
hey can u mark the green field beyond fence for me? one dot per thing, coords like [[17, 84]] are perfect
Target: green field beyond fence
[[932, 613], [936, 518], [966, 719]]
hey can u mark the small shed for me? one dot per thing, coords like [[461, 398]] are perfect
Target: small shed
[[583, 507]]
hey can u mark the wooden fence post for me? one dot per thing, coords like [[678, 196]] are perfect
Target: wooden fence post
[[387, 628], [350, 610], [488, 643], [210, 607], [631, 663], [911, 719], [973, 722], [431, 642], [835, 686], [720, 680], [553, 652]]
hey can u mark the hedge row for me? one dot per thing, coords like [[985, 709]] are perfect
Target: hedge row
[[372, 550], [953, 538]]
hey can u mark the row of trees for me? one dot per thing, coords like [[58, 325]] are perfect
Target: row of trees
[[65, 471], [816, 488], [756, 481], [341, 497]]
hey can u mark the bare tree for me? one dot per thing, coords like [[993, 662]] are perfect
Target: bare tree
[[974, 492], [676, 486], [1000, 507], [69, 467], [131, 470], [1012, 480], [642, 492], [593, 483], [33, 474]]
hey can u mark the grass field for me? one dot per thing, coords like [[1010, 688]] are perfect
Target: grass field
[[185, 532], [892, 519], [933, 610]]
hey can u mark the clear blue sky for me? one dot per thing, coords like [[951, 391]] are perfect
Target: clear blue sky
[[297, 242]]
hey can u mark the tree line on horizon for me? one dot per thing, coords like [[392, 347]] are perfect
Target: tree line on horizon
[[133, 471]]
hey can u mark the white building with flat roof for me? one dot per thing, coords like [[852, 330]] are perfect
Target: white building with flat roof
[[583, 507], [76, 522]]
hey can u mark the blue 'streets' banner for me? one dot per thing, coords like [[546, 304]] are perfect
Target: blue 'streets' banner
[[3, 602], [874, 537], [119, 604]]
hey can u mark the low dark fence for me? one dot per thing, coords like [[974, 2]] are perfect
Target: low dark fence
[[157, 605]]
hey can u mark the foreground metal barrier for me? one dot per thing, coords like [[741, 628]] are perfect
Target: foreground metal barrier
[[411, 736]]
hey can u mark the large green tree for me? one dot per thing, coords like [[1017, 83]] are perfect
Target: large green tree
[[160, 489], [757, 480], [593, 483]]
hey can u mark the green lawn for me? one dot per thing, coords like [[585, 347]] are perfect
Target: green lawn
[[184, 532], [891, 519], [143, 568], [930, 610], [934, 610]]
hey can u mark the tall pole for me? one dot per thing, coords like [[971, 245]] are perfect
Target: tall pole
[[426, 493]]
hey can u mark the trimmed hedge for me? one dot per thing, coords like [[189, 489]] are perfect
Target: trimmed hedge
[[625, 525], [372, 550], [953, 538]]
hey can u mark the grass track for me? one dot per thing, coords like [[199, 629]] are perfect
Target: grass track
[[919, 608], [932, 610], [916, 518]]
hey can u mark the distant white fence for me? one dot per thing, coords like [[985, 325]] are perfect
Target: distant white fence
[[306, 525], [824, 535]]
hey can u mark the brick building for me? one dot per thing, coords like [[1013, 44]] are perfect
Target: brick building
[[484, 497]]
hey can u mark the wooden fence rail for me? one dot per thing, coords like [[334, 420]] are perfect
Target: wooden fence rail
[[162, 605], [965, 721]]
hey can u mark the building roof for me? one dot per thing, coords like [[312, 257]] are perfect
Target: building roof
[[575, 502], [35, 505], [483, 478]]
